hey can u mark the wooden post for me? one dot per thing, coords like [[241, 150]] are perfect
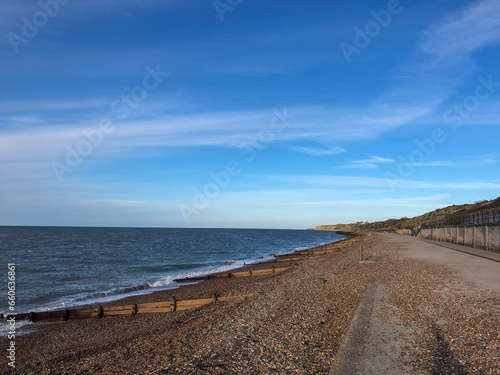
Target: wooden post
[[101, 312], [273, 270], [66, 314], [174, 304], [33, 316], [214, 297], [134, 309]]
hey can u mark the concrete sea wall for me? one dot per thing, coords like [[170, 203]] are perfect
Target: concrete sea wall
[[482, 237]]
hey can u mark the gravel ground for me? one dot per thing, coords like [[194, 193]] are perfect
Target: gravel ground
[[293, 323]]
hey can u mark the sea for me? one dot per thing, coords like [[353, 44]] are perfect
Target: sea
[[60, 267]]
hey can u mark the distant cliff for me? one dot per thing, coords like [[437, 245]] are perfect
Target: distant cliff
[[443, 216], [337, 227]]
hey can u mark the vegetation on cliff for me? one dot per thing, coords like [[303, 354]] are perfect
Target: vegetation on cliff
[[440, 215]]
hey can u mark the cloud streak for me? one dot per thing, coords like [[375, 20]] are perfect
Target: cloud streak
[[373, 162], [374, 182], [383, 202], [460, 162], [318, 151], [466, 31], [223, 129]]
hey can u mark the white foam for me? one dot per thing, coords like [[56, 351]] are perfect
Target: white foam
[[21, 328], [160, 283]]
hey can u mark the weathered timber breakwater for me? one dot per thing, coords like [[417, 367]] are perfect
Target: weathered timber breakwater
[[99, 311]]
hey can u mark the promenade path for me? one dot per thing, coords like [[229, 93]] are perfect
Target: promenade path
[[446, 319], [469, 262]]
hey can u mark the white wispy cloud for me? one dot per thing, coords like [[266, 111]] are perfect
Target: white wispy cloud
[[28, 106], [460, 162], [318, 151], [462, 33], [383, 202], [21, 119], [223, 129], [115, 203], [375, 182], [441, 61], [373, 162], [13, 9]]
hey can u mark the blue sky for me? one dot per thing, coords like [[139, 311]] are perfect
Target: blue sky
[[281, 114]]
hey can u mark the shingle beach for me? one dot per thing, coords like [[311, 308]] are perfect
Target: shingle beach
[[292, 323]]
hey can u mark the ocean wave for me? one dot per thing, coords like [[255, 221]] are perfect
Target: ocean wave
[[146, 286], [157, 284]]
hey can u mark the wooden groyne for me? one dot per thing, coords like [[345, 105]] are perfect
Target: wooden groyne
[[228, 275], [98, 312], [314, 253], [297, 258]]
